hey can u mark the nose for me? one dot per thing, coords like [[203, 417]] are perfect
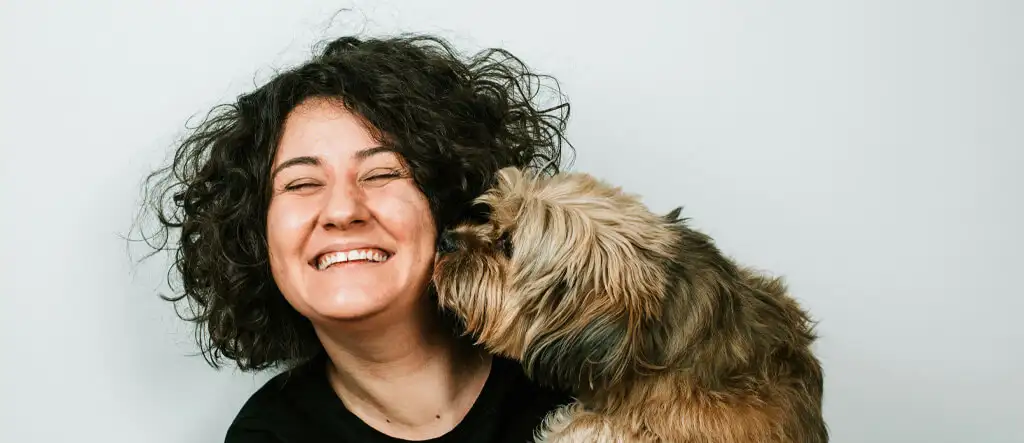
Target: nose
[[344, 207], [447, 243]]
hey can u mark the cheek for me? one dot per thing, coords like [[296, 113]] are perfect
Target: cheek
[[288, 222], [405, 213]]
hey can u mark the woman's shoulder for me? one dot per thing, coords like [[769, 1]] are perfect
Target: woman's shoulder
[[277, 410]]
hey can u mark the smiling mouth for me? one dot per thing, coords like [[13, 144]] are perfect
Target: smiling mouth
[[354, 256]]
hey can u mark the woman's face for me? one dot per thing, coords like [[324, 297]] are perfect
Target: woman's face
[[350, 234]]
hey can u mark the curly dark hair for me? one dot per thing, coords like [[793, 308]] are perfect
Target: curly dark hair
[[454, 120]]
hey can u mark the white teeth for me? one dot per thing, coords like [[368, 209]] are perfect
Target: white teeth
[[329, 259]]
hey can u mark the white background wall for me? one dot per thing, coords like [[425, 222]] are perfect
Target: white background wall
[[869, 150]]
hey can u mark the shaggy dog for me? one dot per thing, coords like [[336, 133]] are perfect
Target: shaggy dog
[[660, 337]]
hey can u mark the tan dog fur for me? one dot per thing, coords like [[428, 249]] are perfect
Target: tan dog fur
[[660, 337]]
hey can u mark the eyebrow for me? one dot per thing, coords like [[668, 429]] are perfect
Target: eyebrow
[[306, 160], [364, 154]]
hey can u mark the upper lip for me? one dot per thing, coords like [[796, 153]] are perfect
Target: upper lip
[[346, 246]]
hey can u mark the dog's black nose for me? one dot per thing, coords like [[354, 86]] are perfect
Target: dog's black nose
[[446, 244]]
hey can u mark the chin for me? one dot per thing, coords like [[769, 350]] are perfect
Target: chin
[[348, 304]]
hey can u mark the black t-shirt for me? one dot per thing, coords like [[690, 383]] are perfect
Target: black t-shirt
[[299, 406]]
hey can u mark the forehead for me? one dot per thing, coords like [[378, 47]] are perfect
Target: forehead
[[323, 128]]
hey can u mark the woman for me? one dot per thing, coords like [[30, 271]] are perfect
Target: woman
[[309, 210]]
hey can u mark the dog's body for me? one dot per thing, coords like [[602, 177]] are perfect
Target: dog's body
[[660, 337]]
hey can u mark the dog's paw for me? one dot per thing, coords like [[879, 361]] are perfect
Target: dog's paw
[[572, 424]]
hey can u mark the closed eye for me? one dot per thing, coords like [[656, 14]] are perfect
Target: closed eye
[[383, 173], [380, 177], [299, 186], [385, 176]]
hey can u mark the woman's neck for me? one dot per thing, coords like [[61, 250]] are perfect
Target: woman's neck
[[408, 378]]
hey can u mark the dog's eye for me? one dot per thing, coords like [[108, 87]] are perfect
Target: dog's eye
[[478, 213], [504, 244]]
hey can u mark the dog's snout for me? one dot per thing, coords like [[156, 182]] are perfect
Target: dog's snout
[[447, 243]]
